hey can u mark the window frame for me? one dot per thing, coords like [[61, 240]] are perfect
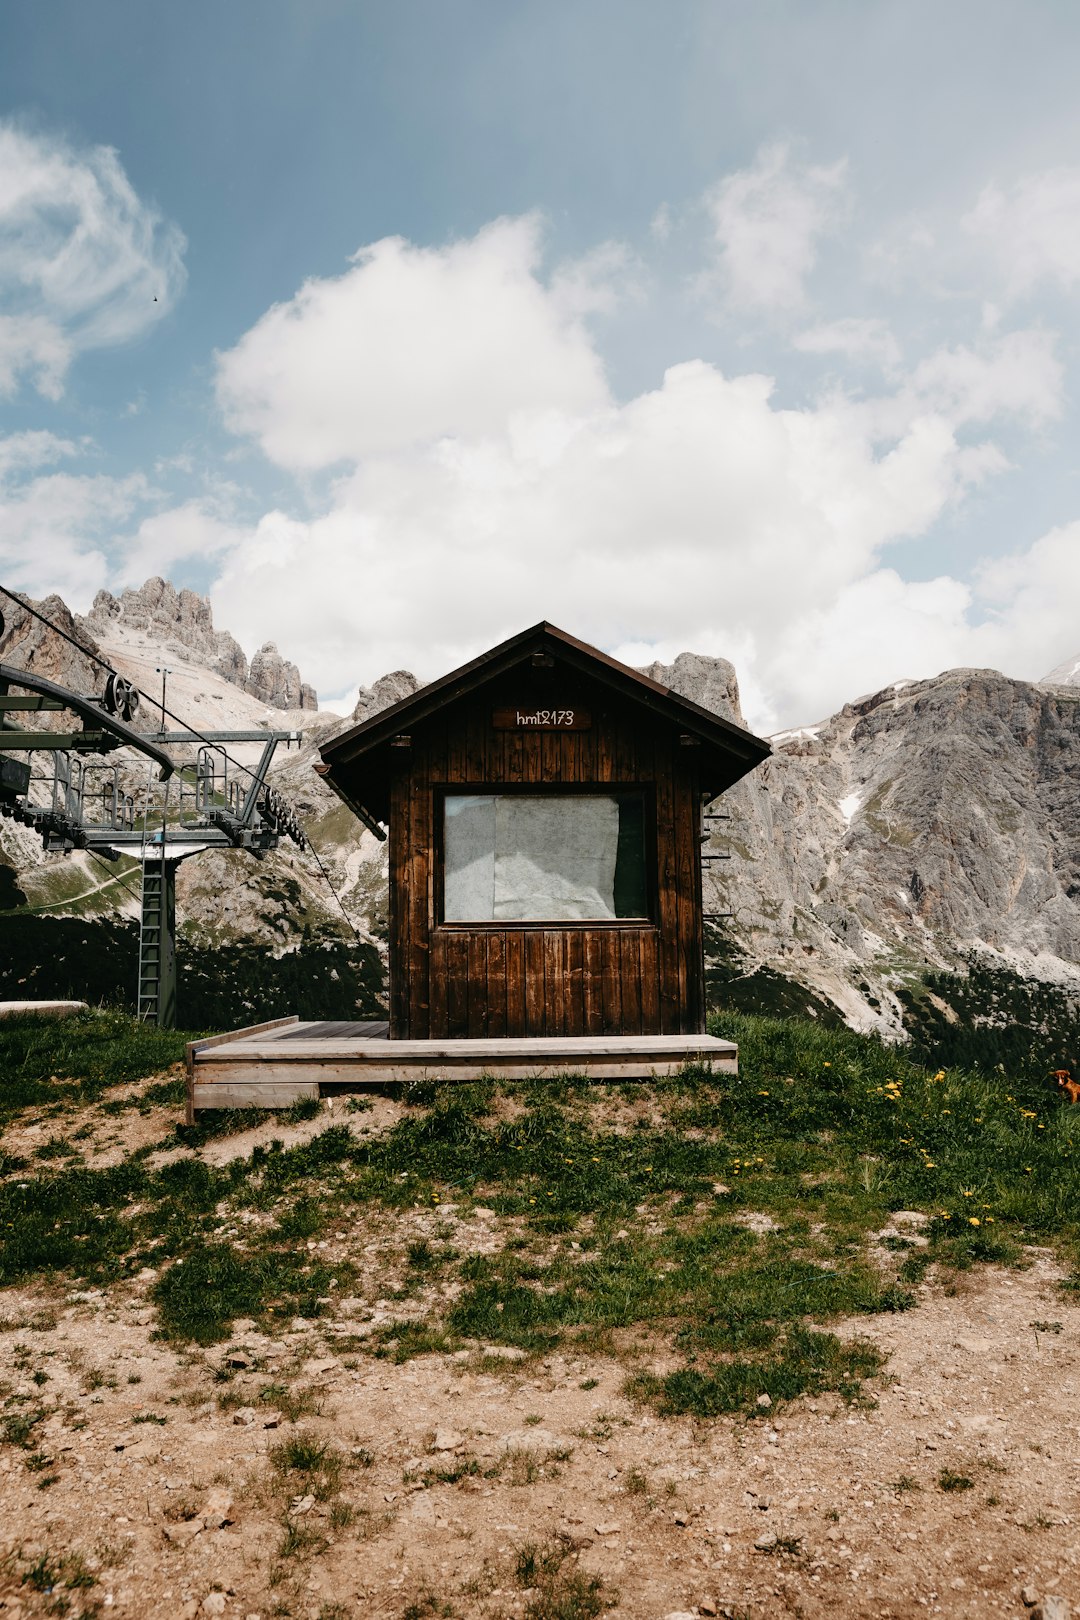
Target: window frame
[[555, 790]]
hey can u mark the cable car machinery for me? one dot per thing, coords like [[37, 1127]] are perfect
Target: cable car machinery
[[88, 803]]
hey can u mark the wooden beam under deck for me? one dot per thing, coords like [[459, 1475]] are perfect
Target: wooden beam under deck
[[274, 1066]]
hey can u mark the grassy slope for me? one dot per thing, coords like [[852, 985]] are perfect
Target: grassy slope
[[620, 1207]]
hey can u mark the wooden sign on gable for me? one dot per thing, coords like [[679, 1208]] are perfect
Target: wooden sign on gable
[[531, 718]]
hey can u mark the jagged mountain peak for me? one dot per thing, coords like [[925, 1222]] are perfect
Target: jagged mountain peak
[[185, 620], [1066, 674]]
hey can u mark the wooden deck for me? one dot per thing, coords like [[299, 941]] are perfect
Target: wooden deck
[[275, 1064]]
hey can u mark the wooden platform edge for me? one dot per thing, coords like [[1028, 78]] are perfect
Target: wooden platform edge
[[270, 1085], [221, 1040]]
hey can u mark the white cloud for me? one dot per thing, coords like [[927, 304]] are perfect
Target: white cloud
[[56, 532], [413, 344], [1032, 229], [176, 535], [35, 448], [492, 480], [867, 341], [1016, 374], [35, 347], [767, 220], [487, 478], [84, 262], [698, 513], [1030, 600]]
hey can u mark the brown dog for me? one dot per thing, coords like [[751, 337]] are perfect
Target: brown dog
[[1067, 1084]]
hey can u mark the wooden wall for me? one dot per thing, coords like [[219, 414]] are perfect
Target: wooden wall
[[521, 979]]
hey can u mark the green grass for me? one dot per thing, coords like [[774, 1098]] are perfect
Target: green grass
[[69, 1061], [560, 1590], [625, 1209]]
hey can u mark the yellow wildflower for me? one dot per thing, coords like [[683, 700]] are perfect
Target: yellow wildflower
[[973, 1220]]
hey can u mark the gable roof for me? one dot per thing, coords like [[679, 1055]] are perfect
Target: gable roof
[[355, 765]]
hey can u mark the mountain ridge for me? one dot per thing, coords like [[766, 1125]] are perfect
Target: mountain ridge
[[921, 823]]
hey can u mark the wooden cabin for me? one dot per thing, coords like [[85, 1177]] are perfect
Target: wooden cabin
[[544, 810]]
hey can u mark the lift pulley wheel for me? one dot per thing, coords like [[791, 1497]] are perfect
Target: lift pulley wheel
[[121, 698]]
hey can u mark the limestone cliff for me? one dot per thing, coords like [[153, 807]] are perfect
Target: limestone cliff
[[183, 622], [917, 824]]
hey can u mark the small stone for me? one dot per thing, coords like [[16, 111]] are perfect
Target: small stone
[[182, 1533], [238, 1358], [764, 1401], [575, 1535], [219, 1504], [448, 1440], [503, 1352], [974, 1346], [244, 1416], [321, 1366], [213, 1603], [1029, 1596], [681, 1614], [271, 1420], [721, 1191], [707, 1605], [607, 1529], [682, 1519], [1052, 1607], [765, 1542]]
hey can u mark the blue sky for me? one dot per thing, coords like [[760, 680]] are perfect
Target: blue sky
[[745, 328]]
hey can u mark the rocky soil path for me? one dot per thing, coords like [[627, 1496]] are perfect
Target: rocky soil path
[[300, 1476]]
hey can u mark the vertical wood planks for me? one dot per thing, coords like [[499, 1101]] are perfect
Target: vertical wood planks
[[545, 980], [457, 985], [496, 979], [515, 982], [534, 981]]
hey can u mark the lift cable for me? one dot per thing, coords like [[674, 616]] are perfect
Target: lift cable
[[237, 764], [106, 867]]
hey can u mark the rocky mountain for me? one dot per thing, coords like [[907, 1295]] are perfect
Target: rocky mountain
[[182, 622], [1066, 674], [920, 824], [387, 689]]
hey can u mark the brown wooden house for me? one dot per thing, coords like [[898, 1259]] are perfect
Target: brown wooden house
[[544, 807]]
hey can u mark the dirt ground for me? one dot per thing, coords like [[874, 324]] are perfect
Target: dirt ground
[[816, 1509]]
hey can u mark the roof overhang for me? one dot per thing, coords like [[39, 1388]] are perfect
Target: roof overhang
[[356, 764]]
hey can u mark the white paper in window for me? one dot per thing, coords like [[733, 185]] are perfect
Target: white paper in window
[[469, 859], [555, 858], [520, 858]]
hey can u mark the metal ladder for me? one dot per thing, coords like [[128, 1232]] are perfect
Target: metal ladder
[[157, 944]]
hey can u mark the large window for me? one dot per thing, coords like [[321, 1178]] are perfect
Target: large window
[[522, 857]]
